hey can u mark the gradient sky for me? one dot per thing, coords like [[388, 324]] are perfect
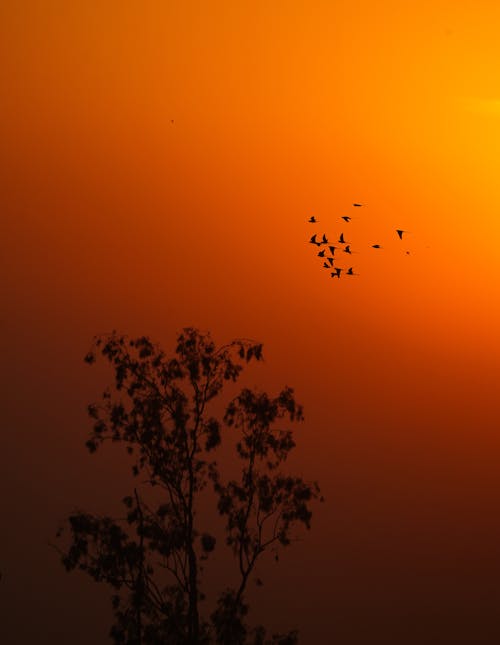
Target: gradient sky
[[112, 216]]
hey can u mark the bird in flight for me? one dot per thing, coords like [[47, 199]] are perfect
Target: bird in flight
[[328, 256]]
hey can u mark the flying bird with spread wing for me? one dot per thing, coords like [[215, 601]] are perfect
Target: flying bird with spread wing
[[329, 261]]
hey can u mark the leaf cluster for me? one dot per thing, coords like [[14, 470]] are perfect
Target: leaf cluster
[[159, 408]]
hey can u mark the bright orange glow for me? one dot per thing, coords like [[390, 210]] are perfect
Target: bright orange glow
[[159, 161]]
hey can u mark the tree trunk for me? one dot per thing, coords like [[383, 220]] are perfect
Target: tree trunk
[[194, 620]]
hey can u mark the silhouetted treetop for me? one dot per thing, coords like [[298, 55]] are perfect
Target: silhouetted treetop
[[153, 557]]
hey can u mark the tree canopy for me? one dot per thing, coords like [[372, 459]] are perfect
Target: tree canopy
[[152, 557]]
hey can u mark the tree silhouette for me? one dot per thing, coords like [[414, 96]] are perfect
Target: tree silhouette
[[153, 557]]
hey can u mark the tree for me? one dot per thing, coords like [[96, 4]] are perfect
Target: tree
[[153, 557]]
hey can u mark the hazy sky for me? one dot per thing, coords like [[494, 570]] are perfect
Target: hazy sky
[[113, 216]]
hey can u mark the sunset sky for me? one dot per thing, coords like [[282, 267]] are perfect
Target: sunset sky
[[158, 164]]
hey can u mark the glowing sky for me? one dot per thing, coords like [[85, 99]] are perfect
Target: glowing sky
[[113, 216]]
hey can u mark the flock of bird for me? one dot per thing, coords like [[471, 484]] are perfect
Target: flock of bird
[[330, 253]]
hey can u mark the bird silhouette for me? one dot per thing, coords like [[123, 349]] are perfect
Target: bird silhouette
[[346, 218], [324, 241], [358, 205], [313, 240], [400, 233], [332, 249], [321, 254], [326, 265], [336, 273], [312, 220], [350, 271], [376, 246], [347, 249], [341, 239], [330, 260]]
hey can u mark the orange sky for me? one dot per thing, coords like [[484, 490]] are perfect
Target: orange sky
[[112, 216]]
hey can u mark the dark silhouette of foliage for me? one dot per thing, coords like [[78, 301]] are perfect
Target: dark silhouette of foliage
[[154, 555]]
